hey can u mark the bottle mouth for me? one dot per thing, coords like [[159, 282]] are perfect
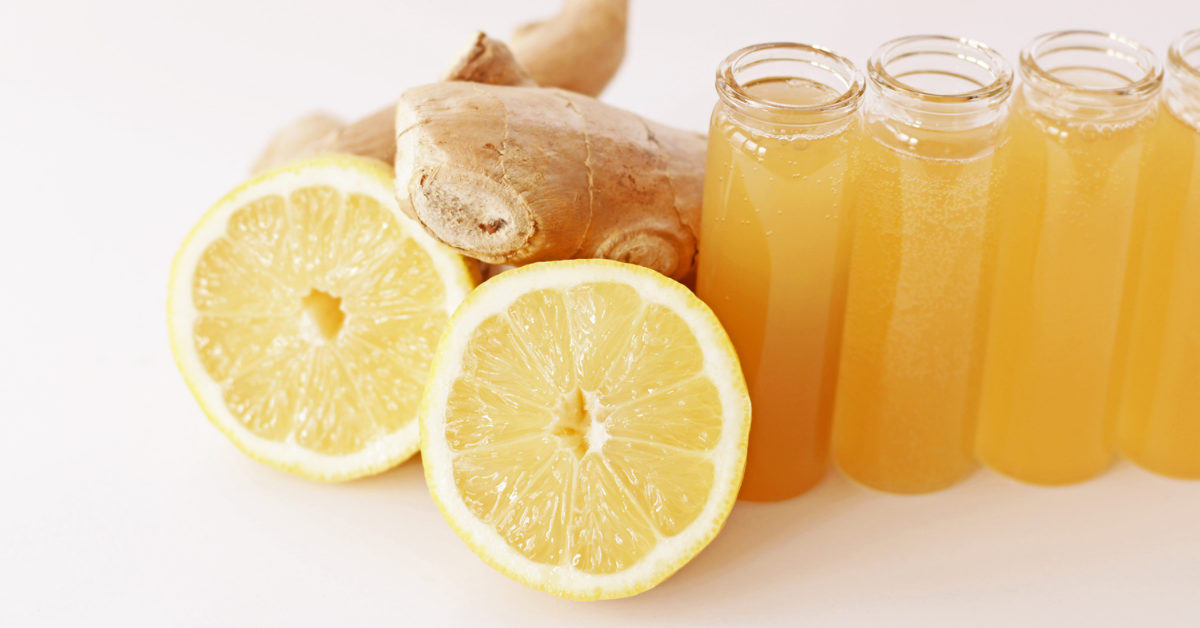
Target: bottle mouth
[[1184, 55], [940, 70], [1182, 90], [1091, 64], [784, 61]]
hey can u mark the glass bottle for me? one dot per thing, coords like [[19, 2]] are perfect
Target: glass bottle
[[933, 162], [775, 239], [1080, 123], [1159, 411]]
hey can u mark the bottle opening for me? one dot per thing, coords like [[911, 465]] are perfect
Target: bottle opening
[[934, 68], [1183, 86], [1184, 56], [1088, 63], [808, 83]]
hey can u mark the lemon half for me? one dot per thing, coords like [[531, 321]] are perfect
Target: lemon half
[[303, 312], [584, 426]]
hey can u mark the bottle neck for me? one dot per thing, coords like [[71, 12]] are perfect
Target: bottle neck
[[1089, 77], [948, 133], [789, 90], [1070, 105], [785, 124], [939, 97], [1183, 79]]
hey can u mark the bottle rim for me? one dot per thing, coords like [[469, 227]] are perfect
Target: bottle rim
[[731, 89], [1177, 55], [988, 59], [1132, 52]]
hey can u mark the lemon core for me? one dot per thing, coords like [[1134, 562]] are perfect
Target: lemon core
[[323, 311], [580, 424]]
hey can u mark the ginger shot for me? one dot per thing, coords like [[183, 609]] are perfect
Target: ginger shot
[[775, 242], [1081, 120], [1159, 412], [933, 165]]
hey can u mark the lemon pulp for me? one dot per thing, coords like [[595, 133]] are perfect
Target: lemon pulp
[[317, 314], [560, 426]]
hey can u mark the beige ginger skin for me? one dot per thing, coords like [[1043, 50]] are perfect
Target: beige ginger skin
[[511, 173], [514, 175], [579, 49]]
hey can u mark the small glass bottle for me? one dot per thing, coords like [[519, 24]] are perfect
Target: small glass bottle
[[1081, 121], [775, 238], [1159, 412], [933, 160]]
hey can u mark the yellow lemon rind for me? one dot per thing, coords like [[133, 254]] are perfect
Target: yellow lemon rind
[[721, 366], [349, 174]]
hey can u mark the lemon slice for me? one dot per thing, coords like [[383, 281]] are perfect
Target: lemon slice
[[303, 310], [584, 426]]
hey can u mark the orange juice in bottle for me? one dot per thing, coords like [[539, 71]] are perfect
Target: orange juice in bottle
[[1159, 412], [932, 166], [1080, 123], [774, 245]]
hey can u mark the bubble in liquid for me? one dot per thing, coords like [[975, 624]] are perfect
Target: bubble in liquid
[[1089, 132]]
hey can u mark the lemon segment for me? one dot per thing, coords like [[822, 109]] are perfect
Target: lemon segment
[[304, 309], [584, 426]]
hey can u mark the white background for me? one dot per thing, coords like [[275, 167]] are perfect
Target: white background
[[122, 121]]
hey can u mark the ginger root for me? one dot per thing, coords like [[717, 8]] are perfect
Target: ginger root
[[558, 53], [293, 140], [514, 175], [373, 136], [511, 173], [580, 48], [486, 60]]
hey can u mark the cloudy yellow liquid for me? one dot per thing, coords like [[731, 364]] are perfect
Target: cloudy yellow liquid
[[1060, 277], [916, 313], [1159, 416], [775, 241]]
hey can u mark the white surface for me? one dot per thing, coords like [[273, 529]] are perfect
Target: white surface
[[120, 122]]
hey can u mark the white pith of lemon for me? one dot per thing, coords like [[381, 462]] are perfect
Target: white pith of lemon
[[303, 309], [584, 426]]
